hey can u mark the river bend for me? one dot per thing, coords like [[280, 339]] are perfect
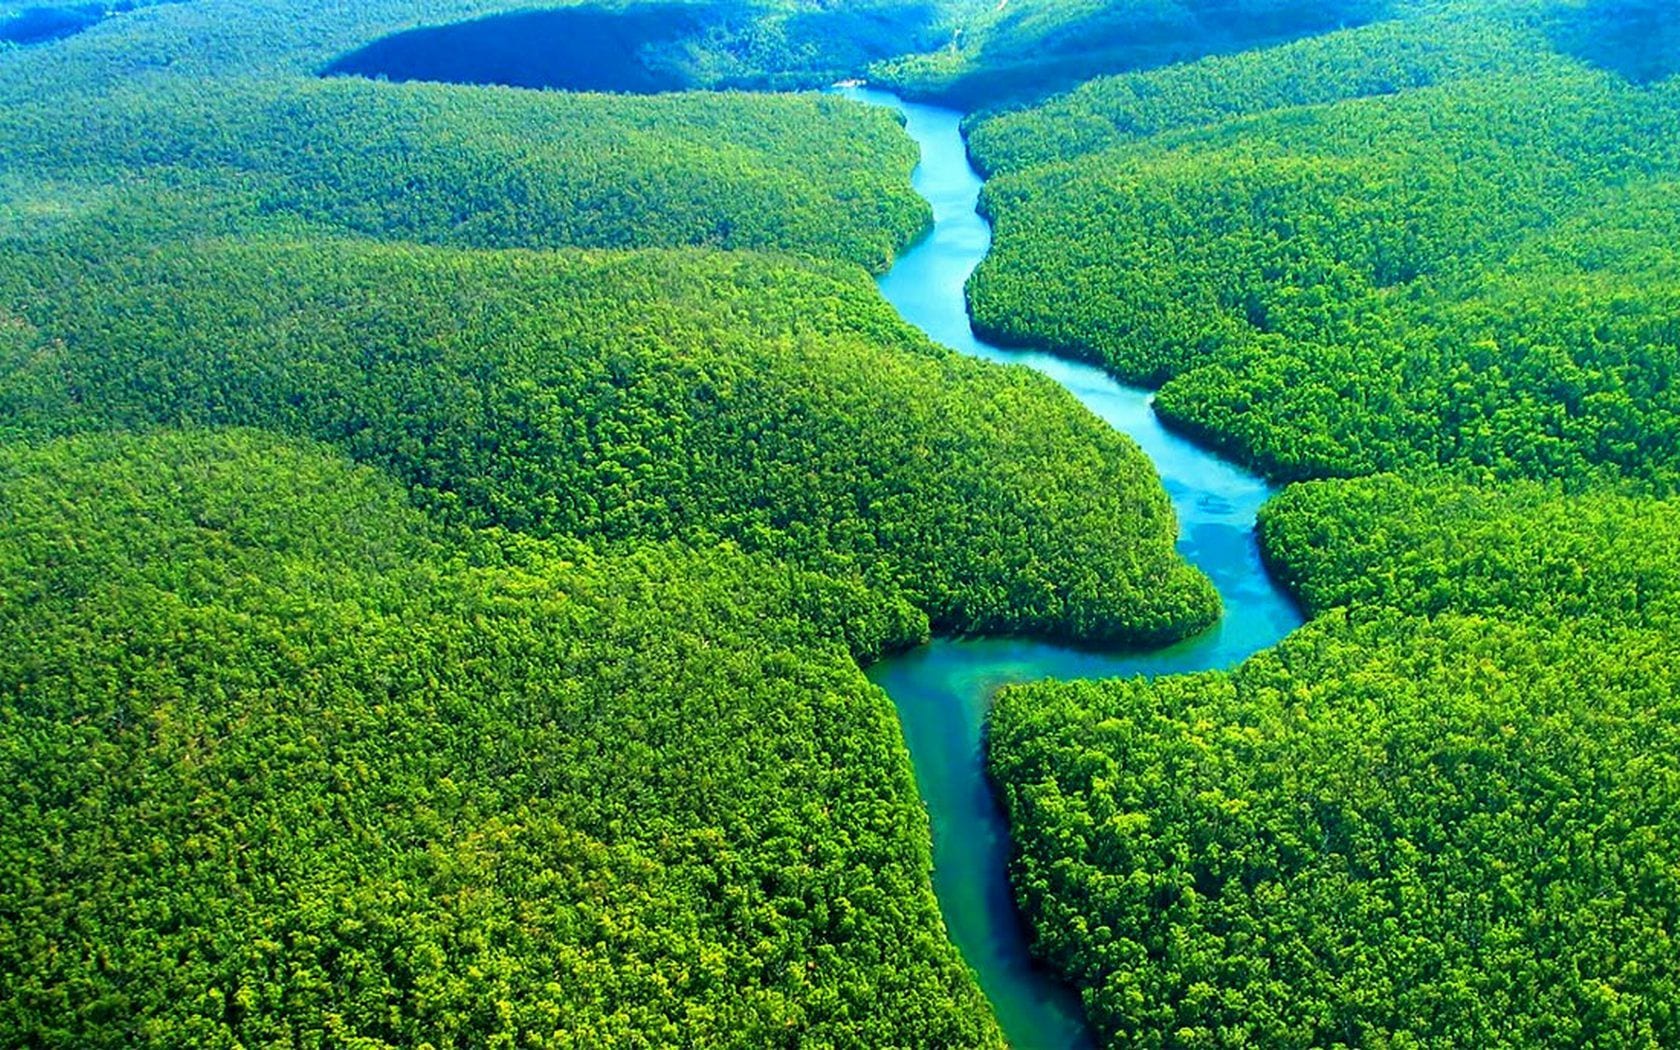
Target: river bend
[[942, 690]]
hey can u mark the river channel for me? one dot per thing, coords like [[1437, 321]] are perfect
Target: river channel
[[942, 691]]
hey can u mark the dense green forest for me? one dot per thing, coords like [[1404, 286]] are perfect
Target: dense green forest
[[658, 47], [1418, 262], [1002, 53], [1430, 262], [285, 762], [441, 522], [1516, 551], [614, 45], [1444, 813], [1378, 60], [628, 397], [1392, 832], [487, 168], [441, 527]]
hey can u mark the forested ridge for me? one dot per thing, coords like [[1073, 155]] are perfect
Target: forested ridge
[[441, 527], [778, 44], [483, 167], [1442, 813], [631, 397], [1427, 263], [1523, 550], [1399, 831], [1003, 53], [441, 523], [1455, 254], [287, 762]]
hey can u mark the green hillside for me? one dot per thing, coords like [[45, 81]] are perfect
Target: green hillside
[[1520, 551], [477, 167], [495, 679], [1557, 362], [629, 397], [452, 472], [1378, 60], [286, 763], [1395, 833], [776, 43], [1441, 814], [1005, 52], [1381, 249]]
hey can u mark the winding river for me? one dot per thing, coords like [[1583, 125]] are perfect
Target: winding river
[[942, 690]]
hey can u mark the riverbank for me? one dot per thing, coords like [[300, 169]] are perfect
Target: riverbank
[[943, 690]]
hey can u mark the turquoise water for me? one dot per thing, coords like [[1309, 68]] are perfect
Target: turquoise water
[[942, 690]]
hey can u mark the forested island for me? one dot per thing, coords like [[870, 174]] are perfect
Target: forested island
[[457, 465]]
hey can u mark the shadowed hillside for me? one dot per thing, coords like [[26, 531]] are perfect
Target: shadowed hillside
[[651, 48]]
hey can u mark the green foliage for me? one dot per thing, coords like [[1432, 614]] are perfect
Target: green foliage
[[1561, 364], [1396, 833], [1474, 270], [284, 763], [1017, 49], [544, 726], [1284, 224], [1440, 814], [1517, 552], [491, 167], [219, 39], [1376, 60], [632, 397], [35, 25], [651, 47], [777, 44]]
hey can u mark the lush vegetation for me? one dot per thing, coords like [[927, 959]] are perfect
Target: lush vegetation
[[486, 167], [1638, 39], [1382, 59], [1005, 52], [1559, 363], [632, 46], [1399, 832], [636, 397], [1420, 262], [1443, 813], [285, 763], [440, 524], [440, 527], [655, 47], [210, 114], [34, 25], [1523, 551]]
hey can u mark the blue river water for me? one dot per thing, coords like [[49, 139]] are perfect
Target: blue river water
[[943, 690]]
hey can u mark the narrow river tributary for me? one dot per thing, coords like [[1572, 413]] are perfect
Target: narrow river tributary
[[942, 690]]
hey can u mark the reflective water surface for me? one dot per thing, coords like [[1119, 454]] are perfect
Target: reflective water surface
[[942, 690]]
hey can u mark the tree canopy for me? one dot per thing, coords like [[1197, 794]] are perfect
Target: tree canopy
[[285, 761], [629, 397], [1429, 264], [1397, 832]]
